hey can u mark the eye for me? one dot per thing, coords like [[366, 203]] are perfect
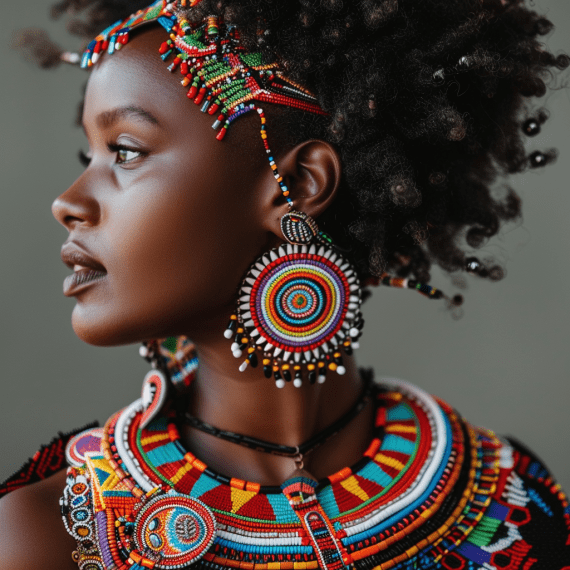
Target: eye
[[83, 158], [125, 154]]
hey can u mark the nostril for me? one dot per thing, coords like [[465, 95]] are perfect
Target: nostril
[[62, 212], [71, 221], [74, 207]]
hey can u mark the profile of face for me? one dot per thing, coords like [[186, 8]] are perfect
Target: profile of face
[[173, 216]]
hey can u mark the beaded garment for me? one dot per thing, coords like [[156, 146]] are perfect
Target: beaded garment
[[47, 461], [431, 491]]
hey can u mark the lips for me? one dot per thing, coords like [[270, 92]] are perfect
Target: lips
[[86, 269]]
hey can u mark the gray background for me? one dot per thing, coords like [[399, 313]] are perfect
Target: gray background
[[504, 365]]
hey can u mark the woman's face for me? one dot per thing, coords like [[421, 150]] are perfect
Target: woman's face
[[170, 213]]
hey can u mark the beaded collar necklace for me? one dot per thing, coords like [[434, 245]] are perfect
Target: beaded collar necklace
[[149, 503]]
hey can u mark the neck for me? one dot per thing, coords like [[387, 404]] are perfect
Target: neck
[[250, 404]]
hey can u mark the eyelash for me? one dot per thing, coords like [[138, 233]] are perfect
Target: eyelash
[[114, 148], [83, 159]]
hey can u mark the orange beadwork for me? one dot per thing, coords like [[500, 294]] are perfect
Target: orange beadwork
[[460, 477]]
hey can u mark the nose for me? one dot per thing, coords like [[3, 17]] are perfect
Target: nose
[[76, 205]]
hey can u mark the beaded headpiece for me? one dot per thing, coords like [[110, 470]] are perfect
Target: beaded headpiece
[[220, 74]]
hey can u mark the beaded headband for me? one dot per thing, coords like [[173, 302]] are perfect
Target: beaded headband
[[221, 75]]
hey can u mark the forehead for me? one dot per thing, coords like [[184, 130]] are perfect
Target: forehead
[[137, 77]]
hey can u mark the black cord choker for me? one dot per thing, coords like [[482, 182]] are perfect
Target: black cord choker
[[296, 452]]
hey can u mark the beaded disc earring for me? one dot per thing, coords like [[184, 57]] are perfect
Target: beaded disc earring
[[174, 365], [298, 307], [176, 355]]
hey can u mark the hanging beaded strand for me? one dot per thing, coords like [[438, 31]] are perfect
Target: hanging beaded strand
[[219, 74], [404, 283], [278, 177]]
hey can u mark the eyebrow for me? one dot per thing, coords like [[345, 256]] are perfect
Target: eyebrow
[[107, 119]]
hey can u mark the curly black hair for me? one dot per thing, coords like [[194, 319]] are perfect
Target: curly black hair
[[425, 102]]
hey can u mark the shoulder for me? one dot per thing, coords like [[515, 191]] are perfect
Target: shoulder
[[32, 531], [527, 515], [509, 512], [547, 504], [33, 534]]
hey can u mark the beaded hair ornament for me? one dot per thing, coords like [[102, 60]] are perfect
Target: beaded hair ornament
[[217, 70], [299, 304]]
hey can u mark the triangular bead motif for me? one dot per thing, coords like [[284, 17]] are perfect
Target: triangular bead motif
[[258, 507], [239, 498], [352, 485]]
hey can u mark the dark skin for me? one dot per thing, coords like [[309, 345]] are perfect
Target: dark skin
[[176, 217]]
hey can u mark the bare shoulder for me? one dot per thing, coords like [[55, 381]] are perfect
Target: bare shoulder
[[32, 534]]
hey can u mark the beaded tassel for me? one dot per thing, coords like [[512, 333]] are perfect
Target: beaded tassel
[[220, 76], [405, 283]]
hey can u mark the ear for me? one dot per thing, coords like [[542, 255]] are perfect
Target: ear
[[311, 171]]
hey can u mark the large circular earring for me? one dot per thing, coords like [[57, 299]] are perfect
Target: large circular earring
[[298, 307]]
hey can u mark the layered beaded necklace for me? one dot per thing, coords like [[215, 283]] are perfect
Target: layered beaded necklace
[[140, 500]]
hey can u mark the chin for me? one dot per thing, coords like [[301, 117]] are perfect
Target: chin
[[108, 324], [106, 328]]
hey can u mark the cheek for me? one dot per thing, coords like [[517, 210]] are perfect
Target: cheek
[[176, 239], [179, 248]]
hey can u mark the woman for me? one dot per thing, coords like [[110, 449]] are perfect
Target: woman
[[168, 218]]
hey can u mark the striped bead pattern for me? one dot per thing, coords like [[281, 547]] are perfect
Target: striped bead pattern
[[430, 492]]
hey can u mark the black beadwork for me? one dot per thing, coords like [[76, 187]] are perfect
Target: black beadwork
[[473, 265], [537, 159], [531, 127]]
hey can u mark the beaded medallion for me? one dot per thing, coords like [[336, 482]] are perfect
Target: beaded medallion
[[175, 528], [429, 492], [299, 305]]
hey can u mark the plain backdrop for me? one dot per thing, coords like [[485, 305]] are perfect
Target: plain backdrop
[[504, 365]]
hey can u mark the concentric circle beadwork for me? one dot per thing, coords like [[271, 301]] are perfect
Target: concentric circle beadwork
[[299, 300], [176, 528]]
